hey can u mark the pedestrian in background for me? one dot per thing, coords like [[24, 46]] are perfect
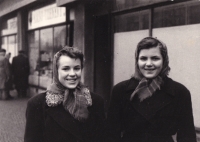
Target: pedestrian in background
[[67, 111], [150, 107], [9, 82], [20, 70], [4, 73]]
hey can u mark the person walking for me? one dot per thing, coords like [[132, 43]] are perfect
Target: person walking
[[4, 73], [67, 111], [9, 82], [150, 106], [20, 70]]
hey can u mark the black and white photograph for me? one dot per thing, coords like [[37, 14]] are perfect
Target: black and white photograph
[[99, 71]]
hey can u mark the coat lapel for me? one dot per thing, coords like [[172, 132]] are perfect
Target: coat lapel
[[163, 98], [65, 120]]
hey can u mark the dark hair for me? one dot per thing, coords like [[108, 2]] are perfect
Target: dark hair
[[72, 52], [21, 52], [2, 50], [147, 43]]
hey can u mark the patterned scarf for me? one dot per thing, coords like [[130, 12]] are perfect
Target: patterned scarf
[[74, 101], [146, 88]]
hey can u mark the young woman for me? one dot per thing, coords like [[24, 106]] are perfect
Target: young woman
[[150, 107], [67, 111]]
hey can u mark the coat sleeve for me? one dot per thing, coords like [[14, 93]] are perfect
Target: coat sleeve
[[186, 130], [113, 123], [7, 68], [34, 121]]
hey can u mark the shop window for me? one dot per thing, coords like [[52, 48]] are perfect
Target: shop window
[[9, 43], [43, 44], [125, 4], [4, 43], [169, 16], [132, 21], [33, 41], [59, 38], [193, 14]]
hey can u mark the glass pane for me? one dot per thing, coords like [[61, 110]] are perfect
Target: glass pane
[[193, 14], [169, 16], [132, 21], [127, 4], [33, 43], [183, 48], [125, 44], [59, 37], [4, 43], [127, 22], [46, 56], [12, 46]]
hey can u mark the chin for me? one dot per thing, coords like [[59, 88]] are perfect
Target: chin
[[149, 76], [70, 86]]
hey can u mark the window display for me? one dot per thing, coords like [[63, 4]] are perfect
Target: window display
[[42, 46]]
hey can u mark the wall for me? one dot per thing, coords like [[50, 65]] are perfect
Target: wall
[[184, 50], [8, 6]]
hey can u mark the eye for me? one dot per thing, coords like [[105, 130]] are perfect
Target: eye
[[66, 68], [143, 58], [77, 68], [155, 58]]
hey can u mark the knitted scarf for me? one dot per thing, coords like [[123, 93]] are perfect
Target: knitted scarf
[[146, 88]]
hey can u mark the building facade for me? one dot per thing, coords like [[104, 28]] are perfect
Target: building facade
[[107, 31]]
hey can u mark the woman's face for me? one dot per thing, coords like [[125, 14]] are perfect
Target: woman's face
[[150, 62], [69, 71]]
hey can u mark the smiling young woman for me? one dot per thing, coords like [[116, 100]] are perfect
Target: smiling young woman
[[150, 107], [67, 111]]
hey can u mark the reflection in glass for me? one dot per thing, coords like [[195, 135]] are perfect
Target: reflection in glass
[[12, 46], [59, 37], [33, 41]]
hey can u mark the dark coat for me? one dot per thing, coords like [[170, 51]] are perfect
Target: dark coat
[[20, 70], [55, 124], [156, 119]]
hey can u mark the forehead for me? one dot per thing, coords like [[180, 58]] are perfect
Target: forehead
[[65, 60], [154, 51]]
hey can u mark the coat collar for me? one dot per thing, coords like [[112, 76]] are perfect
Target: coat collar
[[65, 120], [167, 87], [167, 93]]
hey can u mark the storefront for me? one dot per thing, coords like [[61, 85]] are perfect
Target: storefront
[[9, 36], [48, 31], [107, 31], [41, 29], [175, 23]]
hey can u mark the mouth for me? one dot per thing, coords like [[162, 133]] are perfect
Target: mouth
[[72, 80], [149, 69]]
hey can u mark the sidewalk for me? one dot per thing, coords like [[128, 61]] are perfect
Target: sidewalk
[[12, 120]]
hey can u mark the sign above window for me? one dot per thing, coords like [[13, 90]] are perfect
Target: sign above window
[[10, 27], [46, 16]]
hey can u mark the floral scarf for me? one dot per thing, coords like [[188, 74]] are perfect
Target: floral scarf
[[75, 101]]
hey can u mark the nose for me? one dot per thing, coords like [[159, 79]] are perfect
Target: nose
[[72, 72], [149, 62]]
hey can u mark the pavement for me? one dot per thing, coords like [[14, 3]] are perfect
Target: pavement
[[12, 119]]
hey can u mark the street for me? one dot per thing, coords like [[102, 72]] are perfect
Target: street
[[12, 120]]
